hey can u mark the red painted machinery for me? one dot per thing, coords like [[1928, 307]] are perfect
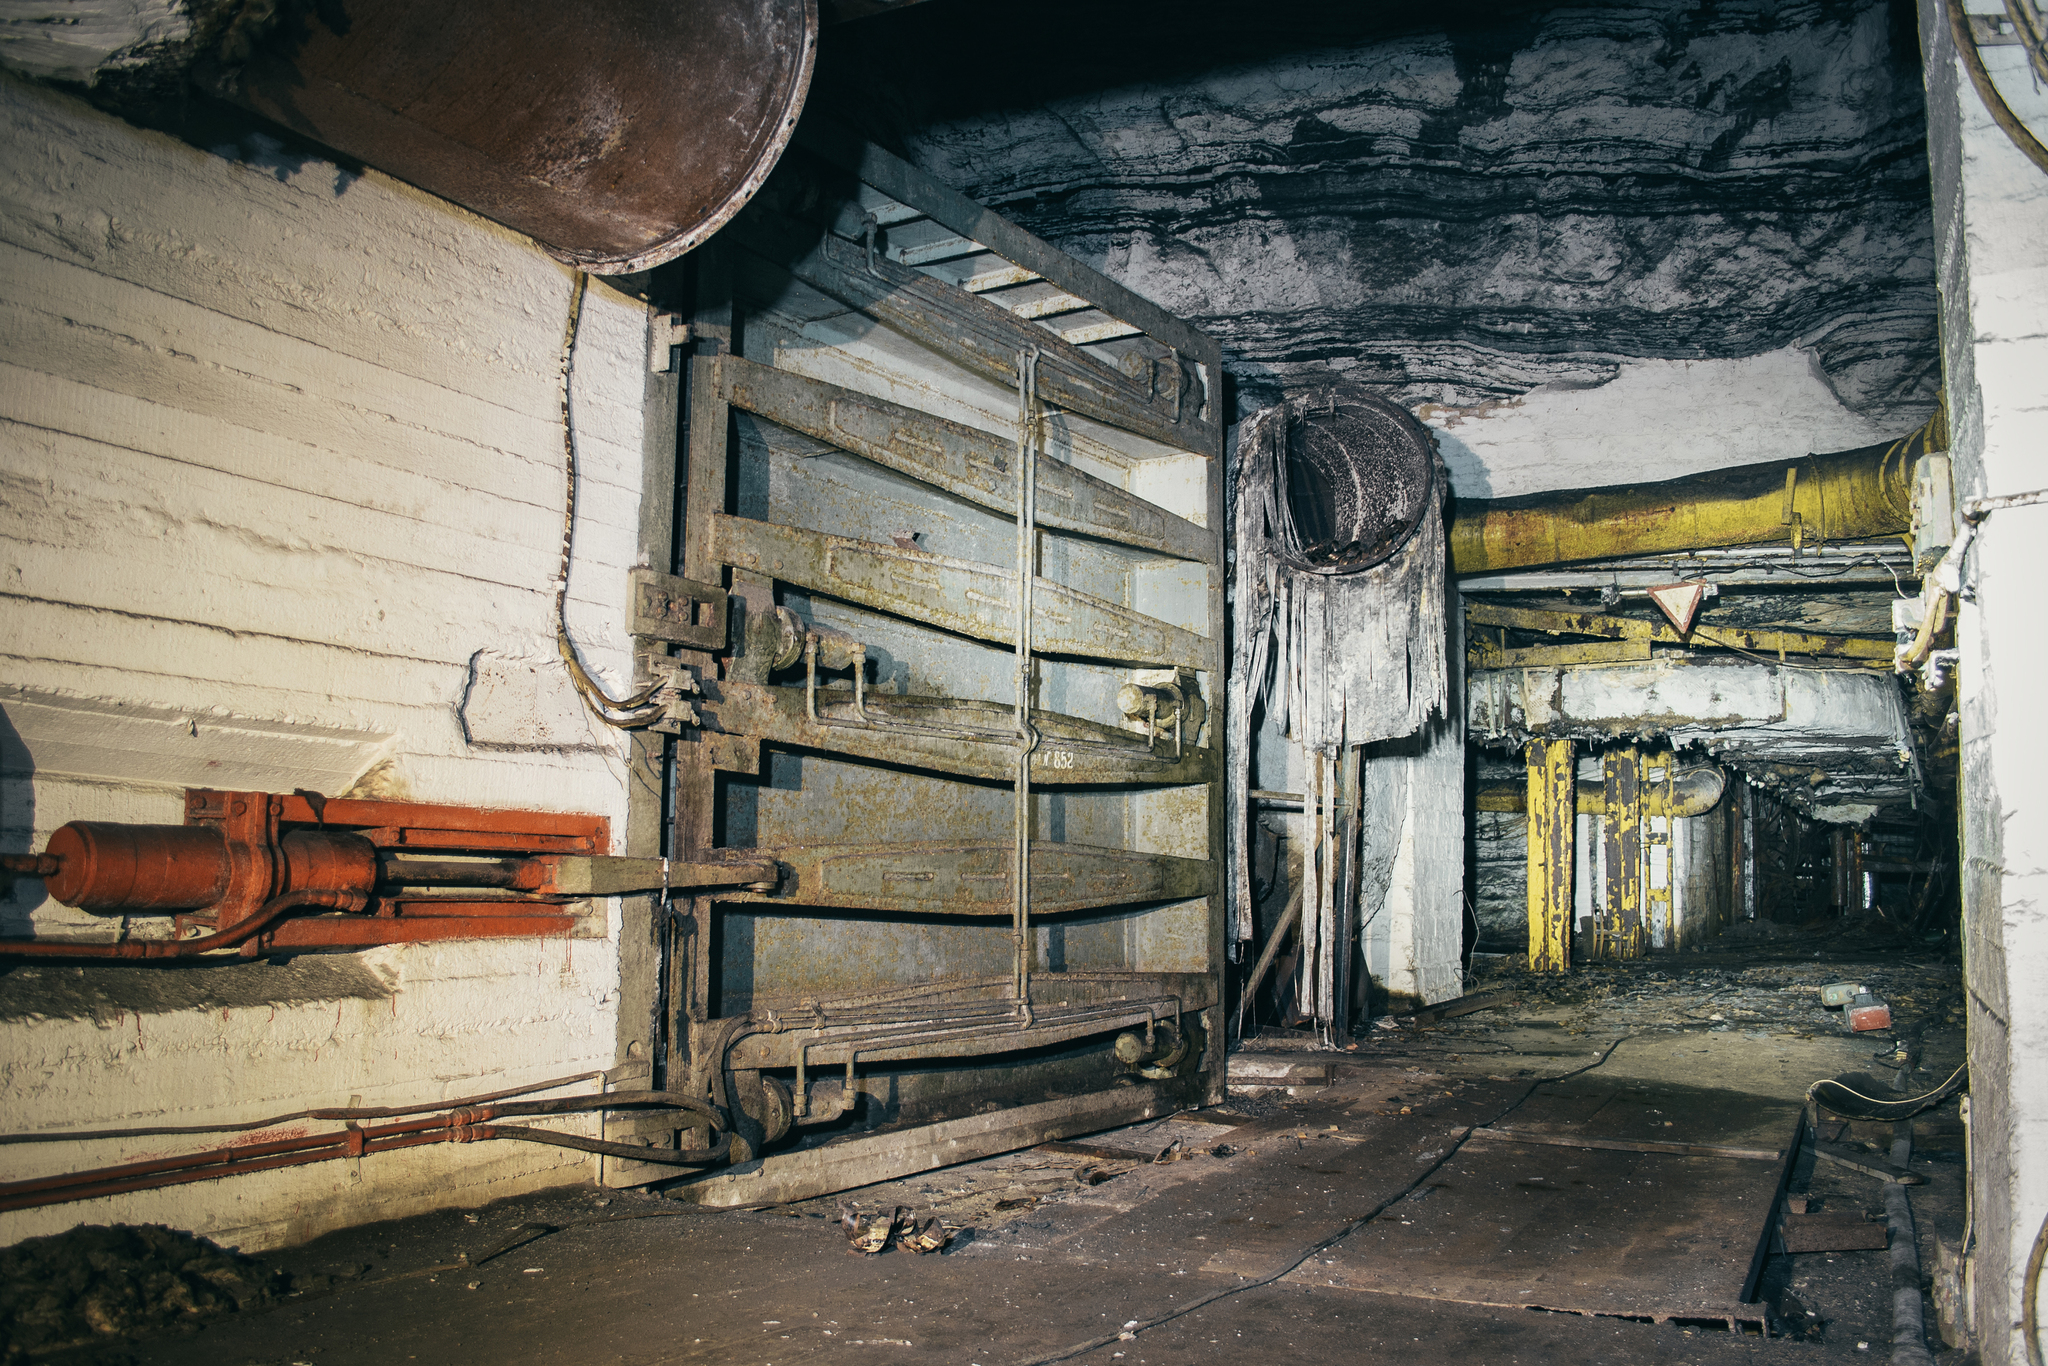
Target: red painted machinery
[[258, 872]]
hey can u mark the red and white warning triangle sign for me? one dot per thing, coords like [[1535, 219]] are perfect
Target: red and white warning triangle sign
[[1680, 602]]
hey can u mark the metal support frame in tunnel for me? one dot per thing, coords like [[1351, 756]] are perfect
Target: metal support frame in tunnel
[[1553, 794], [1621, 931]]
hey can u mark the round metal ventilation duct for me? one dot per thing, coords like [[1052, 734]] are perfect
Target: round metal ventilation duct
[[618, 135], [1361, 472]]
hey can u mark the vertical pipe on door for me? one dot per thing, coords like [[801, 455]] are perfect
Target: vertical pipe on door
[[707, 422], [1314, 884], [1553, 815], [1027, 737], [1346, 950]]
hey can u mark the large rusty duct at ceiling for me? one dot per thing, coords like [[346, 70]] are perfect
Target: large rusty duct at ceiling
[[618, 136]]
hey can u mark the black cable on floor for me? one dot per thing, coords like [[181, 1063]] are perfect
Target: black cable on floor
[[1339, 1236]]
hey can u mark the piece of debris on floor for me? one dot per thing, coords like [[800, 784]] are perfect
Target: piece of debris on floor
[[103, 1284]]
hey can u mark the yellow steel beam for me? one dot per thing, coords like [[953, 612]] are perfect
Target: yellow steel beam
[[1846, 496], [1661, 633], [1551, 790], [1550, 656]]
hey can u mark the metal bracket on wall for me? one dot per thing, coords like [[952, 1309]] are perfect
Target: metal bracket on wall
[[679, 610]]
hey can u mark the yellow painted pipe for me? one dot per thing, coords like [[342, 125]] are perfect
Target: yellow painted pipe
[[1846, 496]]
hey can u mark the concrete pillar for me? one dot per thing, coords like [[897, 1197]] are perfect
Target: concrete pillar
[[1991, 236]]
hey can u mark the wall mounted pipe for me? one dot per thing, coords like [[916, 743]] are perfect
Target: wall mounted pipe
[[1847, 496], [619, 136]]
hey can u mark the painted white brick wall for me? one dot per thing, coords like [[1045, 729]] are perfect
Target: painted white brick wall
[[1412, 857], [1991, 235], [280, 453]]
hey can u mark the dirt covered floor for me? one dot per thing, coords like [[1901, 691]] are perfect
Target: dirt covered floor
[[1580, 1172]]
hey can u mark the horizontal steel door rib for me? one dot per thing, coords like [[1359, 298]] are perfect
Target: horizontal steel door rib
[[956, 878], [949, 735], [962, 460], [965, 596]]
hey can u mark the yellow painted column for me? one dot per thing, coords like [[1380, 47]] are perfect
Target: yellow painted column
[[1553, 803], [1623, 930]]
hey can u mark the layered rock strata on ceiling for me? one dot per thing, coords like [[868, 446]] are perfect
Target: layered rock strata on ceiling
[[1460, 201]]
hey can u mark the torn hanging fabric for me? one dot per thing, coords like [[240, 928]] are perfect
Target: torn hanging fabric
[[1339, 619]]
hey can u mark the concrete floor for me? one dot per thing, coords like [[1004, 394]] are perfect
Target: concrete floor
[[1352, 1219]]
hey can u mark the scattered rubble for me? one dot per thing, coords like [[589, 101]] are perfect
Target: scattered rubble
[[100, 1283]]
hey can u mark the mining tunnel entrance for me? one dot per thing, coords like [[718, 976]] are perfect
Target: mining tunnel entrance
[[1094, 685]]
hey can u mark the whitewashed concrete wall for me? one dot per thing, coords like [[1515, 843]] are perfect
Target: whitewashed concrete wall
[[1412, 864], [1991, 235], [282, 465]]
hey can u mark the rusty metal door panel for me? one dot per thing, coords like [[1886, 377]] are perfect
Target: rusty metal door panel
[[953, 735], [766, 954], [992, 864], [815, 799], [890, 186]]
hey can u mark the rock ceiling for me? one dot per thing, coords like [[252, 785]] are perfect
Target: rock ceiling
[[1467, 202]]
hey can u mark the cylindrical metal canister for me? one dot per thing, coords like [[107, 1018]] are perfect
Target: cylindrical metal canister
[[113, 867], [330, 861]]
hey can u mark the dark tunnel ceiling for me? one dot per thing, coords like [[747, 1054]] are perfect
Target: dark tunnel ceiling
[[1464, 206]]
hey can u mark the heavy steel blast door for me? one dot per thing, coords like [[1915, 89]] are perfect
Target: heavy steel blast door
[[994, 799]]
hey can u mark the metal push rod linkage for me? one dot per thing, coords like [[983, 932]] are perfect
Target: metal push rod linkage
[[462, 1124], [1027, 735]]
